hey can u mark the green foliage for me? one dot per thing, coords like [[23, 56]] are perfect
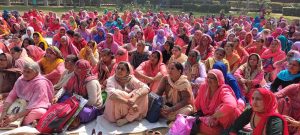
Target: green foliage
[[291, 11], [205, 8]]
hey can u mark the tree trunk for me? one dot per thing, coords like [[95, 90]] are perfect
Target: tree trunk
[[26, 2], [46, 3], [8, 2], [58, 2]]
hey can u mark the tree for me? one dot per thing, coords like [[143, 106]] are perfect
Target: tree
[[8, 2], [58, 3], [46, 3], [26, 2]]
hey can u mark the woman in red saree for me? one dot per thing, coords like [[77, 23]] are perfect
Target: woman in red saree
[[152, 70], [37, 25], [121, 55], [218, 103], [118, 37], [57, 37], [205, 48]]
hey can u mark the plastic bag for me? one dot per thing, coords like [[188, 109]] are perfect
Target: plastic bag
[[182, 125]]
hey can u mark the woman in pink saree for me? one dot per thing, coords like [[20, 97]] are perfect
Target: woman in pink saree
[[250, 75], [34, 52], [218, 103], [66, 47], [35, 89], [152, 70], [283, 64], [288, 105], [118, 37], [109, 43], [270, 56], [127, 99], [20, 57]]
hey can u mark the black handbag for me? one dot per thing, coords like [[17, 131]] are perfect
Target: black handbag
[[195, 127], [154, 106]]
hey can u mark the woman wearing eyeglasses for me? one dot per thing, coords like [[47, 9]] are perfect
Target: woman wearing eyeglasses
[[218, 104]]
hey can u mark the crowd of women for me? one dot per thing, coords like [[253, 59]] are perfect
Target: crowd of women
[[235, 70]]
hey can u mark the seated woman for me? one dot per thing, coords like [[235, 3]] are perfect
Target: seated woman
[[109, 43], [34, 52], [167, 51], [286, 77], [217, 102], [68, 73], [122, 55], [159, 40], [35, 89], [66, 47], [139, 55], [132, 45], [205, 48], [177, 91], [219, 55], [40, 41], [20, 57], [259, 47], [262, 116], [250, 75], [90, 53], [8, 74], [241, 51], [85, 84], [195, 70], [288, 105], [232, 57], [270, 56], [283, 64], [127, 99], [52, 64], [151, 71], [231, 81], [105, 66], [27, 41], [177, 55]]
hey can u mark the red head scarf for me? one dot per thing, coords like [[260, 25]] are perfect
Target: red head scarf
[[77, 83], [270, 107]]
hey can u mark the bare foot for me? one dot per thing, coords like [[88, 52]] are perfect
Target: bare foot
[[122, 122], [34, 123]]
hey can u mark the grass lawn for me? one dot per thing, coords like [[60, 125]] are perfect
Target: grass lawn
[[62, 9]]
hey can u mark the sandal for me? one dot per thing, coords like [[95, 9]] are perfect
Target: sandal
[[75, 124], [149, 132], [157, 133]]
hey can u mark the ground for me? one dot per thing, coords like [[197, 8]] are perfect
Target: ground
[[61, 10]]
